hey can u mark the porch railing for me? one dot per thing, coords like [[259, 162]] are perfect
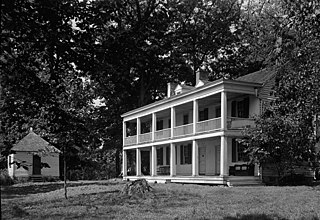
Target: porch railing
[[145, 137], [209, 125], [130, 140], [239, 123], [162, 134], [183, 130]]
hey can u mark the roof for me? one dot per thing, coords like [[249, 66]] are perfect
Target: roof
[[33, 142], [261, 76]]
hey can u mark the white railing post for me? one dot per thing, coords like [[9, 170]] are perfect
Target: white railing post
[[223, 110], [195, 158], [195, 115], [124, 163], [138, 162], [173, 120], [172, 159], [153, 161], [138, 129]]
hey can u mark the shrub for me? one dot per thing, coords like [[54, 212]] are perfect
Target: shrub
[[50, 179], [294, 180], [21, 179], [5, 179]]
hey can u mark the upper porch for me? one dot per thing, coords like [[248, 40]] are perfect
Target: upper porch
[[220, 108]]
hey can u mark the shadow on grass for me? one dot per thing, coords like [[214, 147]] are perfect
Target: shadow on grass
[[9, 192], [255, 217]]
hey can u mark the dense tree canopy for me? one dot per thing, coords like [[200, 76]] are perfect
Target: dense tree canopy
[[59, 57]]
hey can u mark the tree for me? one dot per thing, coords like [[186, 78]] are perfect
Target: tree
[[285, 134], [42, 86]]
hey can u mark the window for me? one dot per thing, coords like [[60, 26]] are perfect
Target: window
[[185, 119], [160, 156], [218, 112], [238, 153], [9, 161], [240, 108], [204, 114], [185, 154], [169, 123], [159, 125]]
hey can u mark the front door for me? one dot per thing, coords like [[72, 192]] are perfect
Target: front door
[[202, 160], [217, 160], [36, 165]]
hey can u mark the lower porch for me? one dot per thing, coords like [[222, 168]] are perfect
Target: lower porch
[[218, 160], [207, 180]]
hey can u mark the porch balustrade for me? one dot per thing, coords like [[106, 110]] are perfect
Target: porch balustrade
[[130, 140], [183, 130], [209, 125], [162, 134], [145, 137], [239, 123]]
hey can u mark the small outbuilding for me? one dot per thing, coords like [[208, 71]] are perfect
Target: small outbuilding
[[33, 157]]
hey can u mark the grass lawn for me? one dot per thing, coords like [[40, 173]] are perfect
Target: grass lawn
[[103, 200]]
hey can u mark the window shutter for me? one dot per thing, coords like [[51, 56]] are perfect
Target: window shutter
[[186, 119], [234, 150], [246, 108], [234, 109], [168, 155], [218, 112], [189, 154], [181, 155]]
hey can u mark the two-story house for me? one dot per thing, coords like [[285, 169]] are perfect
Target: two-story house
[[190, 136]]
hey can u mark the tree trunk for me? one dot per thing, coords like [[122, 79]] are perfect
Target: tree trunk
[[118, 162], [65, 172]]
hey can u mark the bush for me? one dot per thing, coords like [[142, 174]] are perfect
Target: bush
[[50, 179], [295, 180], [21, 179], [5, 179]]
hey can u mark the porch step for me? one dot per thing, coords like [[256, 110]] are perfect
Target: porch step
[[245, 181], [36, 179]]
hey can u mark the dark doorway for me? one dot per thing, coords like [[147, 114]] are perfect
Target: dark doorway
[[36, 165]]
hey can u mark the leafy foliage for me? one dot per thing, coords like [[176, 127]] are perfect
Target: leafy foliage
[[285, 134]]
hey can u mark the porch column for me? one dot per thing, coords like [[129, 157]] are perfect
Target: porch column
[[224, 156], [173, 170], [153, 161], [138, 162], [195, 158], [124, 132], [138, 129], [173, 120], [154, 123], [224, 110], [195, 115], [124, 163]]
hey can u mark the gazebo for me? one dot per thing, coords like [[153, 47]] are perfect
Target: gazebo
[[33, 157]]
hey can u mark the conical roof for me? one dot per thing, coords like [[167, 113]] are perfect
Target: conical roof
[[33, 142]]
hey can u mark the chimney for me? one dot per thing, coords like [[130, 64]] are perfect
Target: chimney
[[201, 76], [169, 90]]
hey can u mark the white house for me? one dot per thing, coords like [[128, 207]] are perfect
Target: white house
[[190, 136], [33, 152]]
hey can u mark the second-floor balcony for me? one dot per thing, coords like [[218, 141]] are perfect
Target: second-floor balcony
[[214, 113], [209, 125]]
